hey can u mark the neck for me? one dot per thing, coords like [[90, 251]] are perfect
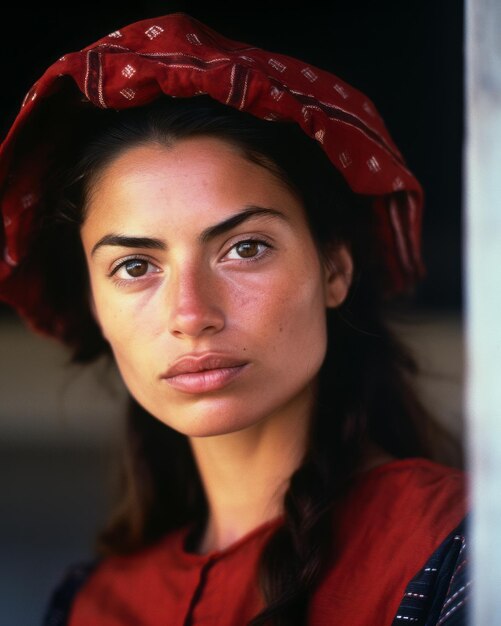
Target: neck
[[246, 473]]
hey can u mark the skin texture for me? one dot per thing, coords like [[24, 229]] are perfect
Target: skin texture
[[261, 303]]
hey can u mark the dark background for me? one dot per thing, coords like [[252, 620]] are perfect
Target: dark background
[[406, 56]]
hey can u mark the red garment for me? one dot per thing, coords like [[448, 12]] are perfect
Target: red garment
[[179, 56], [394, 518]]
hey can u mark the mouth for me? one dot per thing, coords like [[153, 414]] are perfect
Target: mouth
[[199, 374]]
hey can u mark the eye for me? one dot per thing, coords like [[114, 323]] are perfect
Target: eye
[[249, 249], [134, 267]]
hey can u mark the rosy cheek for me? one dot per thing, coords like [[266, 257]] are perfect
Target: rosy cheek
[[303, 317], [240, 299]]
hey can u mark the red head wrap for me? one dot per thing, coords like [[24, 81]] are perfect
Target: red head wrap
[[179, 56]]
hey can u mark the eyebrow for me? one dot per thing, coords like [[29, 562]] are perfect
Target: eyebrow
[[125, 241], [114, 239], [239, 218]]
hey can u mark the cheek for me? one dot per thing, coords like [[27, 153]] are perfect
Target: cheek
[[119, 324], [291, 318], [305, 322], [121, 313]]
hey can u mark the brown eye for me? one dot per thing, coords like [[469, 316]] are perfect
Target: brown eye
[[136, 267], [247, 249], [131, 269]]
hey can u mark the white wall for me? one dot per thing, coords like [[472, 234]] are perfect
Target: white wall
[[483, 299]]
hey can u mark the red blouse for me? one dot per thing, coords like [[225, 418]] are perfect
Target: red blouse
[[395, 516]]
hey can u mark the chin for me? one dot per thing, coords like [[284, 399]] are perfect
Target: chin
[[212, 422]]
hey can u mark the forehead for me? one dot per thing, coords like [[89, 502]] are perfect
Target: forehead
[[191, 156], [203, 175]]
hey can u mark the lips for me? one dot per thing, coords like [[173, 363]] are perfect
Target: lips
[[209, 372]]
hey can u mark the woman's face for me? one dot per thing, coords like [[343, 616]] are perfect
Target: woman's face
[[207, 284]]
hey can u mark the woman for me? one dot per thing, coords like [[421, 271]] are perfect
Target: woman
[[170, 198]]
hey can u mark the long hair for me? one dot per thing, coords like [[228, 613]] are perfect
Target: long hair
[[365, 389]]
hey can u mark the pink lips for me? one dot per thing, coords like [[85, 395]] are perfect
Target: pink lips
[[198, 374]]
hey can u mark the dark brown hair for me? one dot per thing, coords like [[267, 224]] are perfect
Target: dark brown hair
[[364, 392]]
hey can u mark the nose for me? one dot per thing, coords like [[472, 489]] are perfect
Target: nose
[[195, 303]]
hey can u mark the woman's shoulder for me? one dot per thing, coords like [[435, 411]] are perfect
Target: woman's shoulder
[[406, 507], [369, 590], [433, 501], [399, 519], [418, 472], [412, 493]]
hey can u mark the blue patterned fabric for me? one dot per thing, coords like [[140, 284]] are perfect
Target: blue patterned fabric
[[438, 594]]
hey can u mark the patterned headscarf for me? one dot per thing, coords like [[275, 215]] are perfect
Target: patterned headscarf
[[179, 56]]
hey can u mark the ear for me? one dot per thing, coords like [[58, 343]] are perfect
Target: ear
[[338, 271]]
